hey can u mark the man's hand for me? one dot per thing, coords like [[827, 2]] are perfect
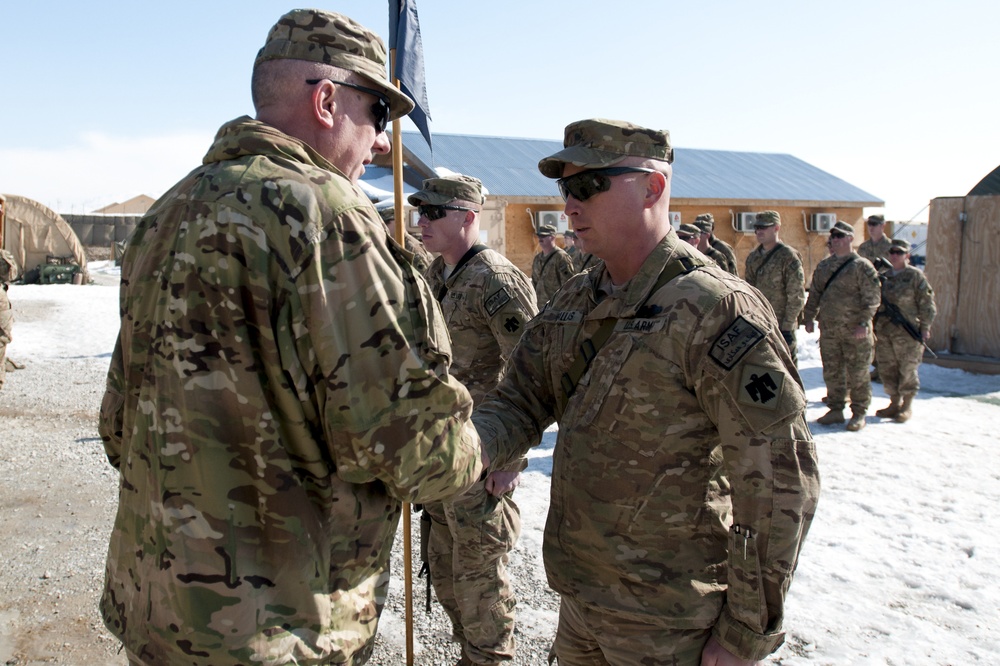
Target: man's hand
[[716, 655], [499, 483]]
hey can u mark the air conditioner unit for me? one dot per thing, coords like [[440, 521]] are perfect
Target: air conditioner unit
[[675, 220], [822, 222], [556, 218], [745, 222]]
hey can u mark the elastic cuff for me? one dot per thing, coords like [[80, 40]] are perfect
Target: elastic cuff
[[744, 642]]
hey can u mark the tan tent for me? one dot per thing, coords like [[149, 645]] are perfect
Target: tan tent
[[34, 233]]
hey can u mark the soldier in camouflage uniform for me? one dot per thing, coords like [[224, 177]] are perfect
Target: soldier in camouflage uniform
[[689, 234], [706, 222], [421, 258], [569, 241], [551, 267], [776, 270], [898, 352], [684, 476], [486, 301], [705, 247], [8, 273], [280, 383], [878, 243], [844, 296]]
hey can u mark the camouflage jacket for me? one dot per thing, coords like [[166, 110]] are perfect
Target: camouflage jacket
[[727, 251], [549, 272], [421, 259], [871, 250], [584, 260], [6, 321], [781, 280], [280, 384], [719, 258], [686, 434], [912, 294], [486, 304], [853, 295]]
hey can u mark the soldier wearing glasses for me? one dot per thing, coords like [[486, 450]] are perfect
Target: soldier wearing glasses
[[551, 267], [878, 244], [844, 296], [901, 339], [684, 475], [486, 302], [280, 383]]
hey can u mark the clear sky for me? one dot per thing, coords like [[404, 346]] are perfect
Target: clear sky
[[105, 100]]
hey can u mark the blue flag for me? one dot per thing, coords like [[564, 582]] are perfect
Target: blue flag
[[404, 36]]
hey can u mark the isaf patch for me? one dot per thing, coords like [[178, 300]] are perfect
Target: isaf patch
[[497, 300], [761, 387], [734, 343]]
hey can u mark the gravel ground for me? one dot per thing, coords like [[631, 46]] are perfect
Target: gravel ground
[[56, 510]]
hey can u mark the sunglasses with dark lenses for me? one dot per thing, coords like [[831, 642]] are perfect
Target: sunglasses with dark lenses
[[837, 234], [896, 251], [436, 212], [586, 184], [875, 223], [380, 109]]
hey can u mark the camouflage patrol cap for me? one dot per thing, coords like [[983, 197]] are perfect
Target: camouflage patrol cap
[[766, 218], [545, 230], [876, 219], [705, 222], [598, 143], [569, 234], [336, 40], [901, 243], [437, 191], [843, 227], [686, 231]]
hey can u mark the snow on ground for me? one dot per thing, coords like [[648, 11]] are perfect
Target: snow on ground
[[899, 566]]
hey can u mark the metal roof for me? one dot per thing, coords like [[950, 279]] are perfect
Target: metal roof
[[509, 167]]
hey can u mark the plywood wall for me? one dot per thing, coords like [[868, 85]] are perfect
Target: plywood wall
[[944, 255]]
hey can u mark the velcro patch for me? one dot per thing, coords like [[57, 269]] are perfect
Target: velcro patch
[[639, 325], [497, 300], [761, 387], [560, 317], [734, 343]]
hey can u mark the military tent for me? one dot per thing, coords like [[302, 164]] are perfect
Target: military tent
[[38, 236]]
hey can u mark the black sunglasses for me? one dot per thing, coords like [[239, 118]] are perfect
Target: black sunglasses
[[897, 251], [380, 109], [586, 184], [875, 224], [436, 211], [837, 234]]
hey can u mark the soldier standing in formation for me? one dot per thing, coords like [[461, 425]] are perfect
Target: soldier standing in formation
[[878, 243], [280, 383], [486, 302], [551, 267], [569, 241], [705, 247], [776, 270], [689, 234], [679, 410], [844, 297], [706, 223], [902, 326], [421, 257]]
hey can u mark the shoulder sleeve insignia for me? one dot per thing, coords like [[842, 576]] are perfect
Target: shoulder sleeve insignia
[[734, 343], [497, 300], [760, 387]]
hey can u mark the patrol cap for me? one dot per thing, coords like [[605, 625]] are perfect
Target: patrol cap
[[766, 218], [874, 220], [545, 230], [705, 222], [901, 243], [569, 234], [686, 231], [437, 191], [336, 40], [843, 227], [597, 143]]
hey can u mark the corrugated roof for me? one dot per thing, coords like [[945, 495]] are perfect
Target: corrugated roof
[[509, 167]]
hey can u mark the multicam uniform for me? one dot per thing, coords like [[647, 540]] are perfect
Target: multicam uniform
[[782, 281], [871, 250], [727, 251], [720, 259], [279, 385], [549, 272], [897, 351], [583, 261], [486, 302], [421, 259], [663, 450], [8, 273], [847, 302]]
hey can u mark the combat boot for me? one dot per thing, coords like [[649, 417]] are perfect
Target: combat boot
[[905, 410], [832, 417], [857, 421], [892, 410]]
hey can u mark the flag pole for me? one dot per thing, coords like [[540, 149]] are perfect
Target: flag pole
[[397, 200]]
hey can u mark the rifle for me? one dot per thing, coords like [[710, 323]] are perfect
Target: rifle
[[891, 310]]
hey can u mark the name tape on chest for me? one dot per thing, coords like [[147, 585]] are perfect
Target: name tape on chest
[[734, 343], [561, 317], [640, 325]]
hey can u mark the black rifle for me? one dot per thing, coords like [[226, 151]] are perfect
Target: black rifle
[[891, 310]]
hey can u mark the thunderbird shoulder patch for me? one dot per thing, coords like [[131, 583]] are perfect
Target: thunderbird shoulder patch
[[734, 343], [761, 387]]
